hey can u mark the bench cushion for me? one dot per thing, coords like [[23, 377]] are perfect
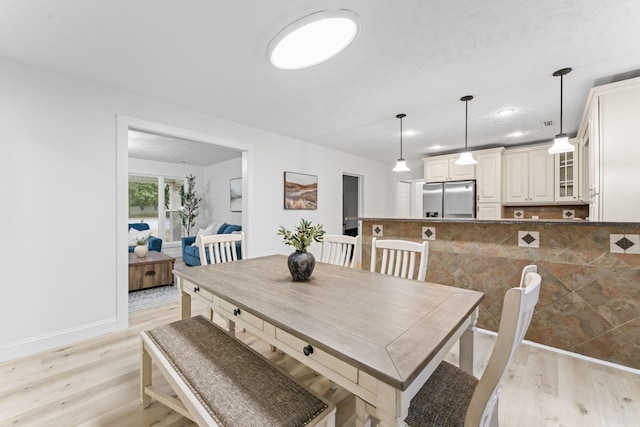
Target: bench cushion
[[236, 385]]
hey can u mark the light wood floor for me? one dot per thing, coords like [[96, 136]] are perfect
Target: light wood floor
[[95, 383]]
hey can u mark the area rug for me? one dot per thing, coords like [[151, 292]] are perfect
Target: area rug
[[153, 297]]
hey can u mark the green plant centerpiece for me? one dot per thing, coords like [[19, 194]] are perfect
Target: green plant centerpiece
[[301, 263], [141, 248], [190, 202]]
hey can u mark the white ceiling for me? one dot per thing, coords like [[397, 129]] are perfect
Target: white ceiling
[[169, 149], [412, 56]]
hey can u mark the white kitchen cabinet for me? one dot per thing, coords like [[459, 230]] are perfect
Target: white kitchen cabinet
[[610, 126], [489, 211], [567, 173], [529, 175], [489, 175], [444, 168]]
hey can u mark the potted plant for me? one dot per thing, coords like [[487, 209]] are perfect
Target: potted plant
[[141, 248], [301, 262], [190, 202]]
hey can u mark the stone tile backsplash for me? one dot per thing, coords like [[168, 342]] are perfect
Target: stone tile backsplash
[[590, 296]]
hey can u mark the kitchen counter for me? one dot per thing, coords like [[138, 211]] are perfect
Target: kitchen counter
[[501, 221], [590, 295]]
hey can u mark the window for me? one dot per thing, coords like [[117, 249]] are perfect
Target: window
[[161, 210]]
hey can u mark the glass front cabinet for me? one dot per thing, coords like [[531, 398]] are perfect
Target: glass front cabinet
[[567, 168]]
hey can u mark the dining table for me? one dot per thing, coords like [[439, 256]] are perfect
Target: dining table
[[378, 336]]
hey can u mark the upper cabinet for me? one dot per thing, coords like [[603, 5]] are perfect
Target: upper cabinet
[[567, 168], [444, 168], [489, 175], [529, 175], [609, 138]]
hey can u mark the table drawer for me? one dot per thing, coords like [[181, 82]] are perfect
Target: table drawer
[[331, 362], [196, 291], [232, 311]]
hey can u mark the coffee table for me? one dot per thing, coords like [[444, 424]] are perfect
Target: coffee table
[[154, 269]]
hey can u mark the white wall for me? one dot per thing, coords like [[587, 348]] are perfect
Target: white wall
[[64, 173], [216, 203]]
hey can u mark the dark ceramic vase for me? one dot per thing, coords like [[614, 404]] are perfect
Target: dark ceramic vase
[[301, 265]]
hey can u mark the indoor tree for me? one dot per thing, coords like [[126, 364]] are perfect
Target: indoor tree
[[190, 202]]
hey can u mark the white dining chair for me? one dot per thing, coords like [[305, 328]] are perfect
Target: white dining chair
[[400, 257], [532, 268], [340, 250], [453, 397], [220, 248]]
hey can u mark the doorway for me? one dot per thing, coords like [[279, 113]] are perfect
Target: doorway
[[403, 199], [351, 203], [123, 153]]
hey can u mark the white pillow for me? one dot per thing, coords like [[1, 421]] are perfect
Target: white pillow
[[207, 231], [135, 235], [216, 226]]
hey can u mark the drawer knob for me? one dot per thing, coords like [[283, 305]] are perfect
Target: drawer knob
[[196, 289], [236, 312], [307, 350]]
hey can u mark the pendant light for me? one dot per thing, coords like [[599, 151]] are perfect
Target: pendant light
[[466, 158], [401, 166], [561, 141]]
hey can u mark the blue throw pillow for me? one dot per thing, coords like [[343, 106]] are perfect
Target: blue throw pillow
[[231, 228], [222, 228]]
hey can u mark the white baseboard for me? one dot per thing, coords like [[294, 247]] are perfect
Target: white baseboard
[[569, 353], [44, 342]]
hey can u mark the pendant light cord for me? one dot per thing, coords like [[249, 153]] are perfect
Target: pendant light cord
[[466, 100], [561, 91], [561, 73], [400, 116], [466, 119], [401, 138]]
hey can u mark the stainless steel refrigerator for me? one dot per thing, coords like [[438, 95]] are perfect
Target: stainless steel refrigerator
[[456, 199]]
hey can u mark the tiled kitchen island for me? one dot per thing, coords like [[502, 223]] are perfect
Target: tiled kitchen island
[[590, 295]]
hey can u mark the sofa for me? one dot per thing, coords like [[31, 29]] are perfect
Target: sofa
[[155, 243], [191, 251]]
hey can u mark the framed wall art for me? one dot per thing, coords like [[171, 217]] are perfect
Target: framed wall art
[[300, 191], [235, 192]]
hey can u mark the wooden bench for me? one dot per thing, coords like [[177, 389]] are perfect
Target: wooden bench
[[220, 381]]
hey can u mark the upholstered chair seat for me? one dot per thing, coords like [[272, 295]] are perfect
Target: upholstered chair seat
[[448, 406]]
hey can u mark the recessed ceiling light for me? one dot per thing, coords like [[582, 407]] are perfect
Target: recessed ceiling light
[[436, 147], [516, 134], [410, 132], [506, 112], [313, 39]]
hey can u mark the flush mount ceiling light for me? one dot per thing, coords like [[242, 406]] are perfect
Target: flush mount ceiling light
[[313, 39], [561, 141], [466, 158], [401, 166]]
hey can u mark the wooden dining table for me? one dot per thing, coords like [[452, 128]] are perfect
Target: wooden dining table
[[378, 336]]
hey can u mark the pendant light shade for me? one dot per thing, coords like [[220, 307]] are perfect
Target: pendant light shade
[[561, 141], [401, 165], [466, 158]]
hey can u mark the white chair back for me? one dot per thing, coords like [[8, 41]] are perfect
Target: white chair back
[[220, 247], [340, 250], [517, 311], [399, 258], [528, 269]]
